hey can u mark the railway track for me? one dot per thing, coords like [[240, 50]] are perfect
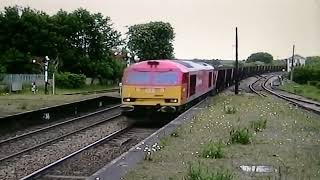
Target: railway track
[[256, 86], [17, 152], [96, 154], [294, 99]]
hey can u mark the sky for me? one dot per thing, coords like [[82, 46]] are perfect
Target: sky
[[205, 29]]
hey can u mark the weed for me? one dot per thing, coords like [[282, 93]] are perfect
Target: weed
[[258, 125], [230, 109], [23, 106], [164, 142], [202, 173], [297, 91], [241, 136], [174, 134], [213, 150]]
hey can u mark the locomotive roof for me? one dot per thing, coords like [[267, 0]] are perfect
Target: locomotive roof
[[183, 65]]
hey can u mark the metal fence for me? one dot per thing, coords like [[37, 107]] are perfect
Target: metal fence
[[22, 78]]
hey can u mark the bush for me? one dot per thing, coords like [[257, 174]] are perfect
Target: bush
[[212, 150], [241, 136], [308, 73], [70, 80]]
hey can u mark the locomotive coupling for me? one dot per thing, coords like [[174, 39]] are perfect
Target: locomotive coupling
[[127, 108], [168, 109]]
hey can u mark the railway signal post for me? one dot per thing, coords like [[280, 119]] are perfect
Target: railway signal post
[[46, 63]]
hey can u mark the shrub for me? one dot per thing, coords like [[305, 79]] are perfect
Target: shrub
[[259, 125], [70, 80], [307, 73], [198, 172], [212, 150], [241, 136]]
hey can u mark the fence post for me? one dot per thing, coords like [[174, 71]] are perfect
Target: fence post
[[53, 84]]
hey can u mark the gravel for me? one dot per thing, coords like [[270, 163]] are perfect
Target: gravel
[[37, 138], [21, 166], [92, 159]]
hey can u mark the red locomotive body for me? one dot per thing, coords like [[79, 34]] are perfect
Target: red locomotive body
[[166, 85]]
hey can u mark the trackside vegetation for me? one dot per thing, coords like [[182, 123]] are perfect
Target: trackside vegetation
[[265, 132], [306, 80], [77, 42]]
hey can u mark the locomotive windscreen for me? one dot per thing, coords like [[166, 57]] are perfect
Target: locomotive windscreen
[[137, 77], [165, 78], [152, 78]]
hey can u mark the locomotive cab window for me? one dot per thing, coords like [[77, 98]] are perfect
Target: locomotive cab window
[[137, 77], [165, 78], [193, 82], [210, 79]]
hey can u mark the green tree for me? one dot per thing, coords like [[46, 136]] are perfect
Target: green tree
[[313, 59], [151, 40], [77, 42], [87, 41], [260, 56]]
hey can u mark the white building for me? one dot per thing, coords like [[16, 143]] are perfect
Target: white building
[[298, 61]]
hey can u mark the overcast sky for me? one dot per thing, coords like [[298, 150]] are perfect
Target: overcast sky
[[206, 28]]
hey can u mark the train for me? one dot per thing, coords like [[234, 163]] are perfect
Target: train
[[171, 86]]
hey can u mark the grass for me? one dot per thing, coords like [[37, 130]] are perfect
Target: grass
[[85, 89], [213, 151], [240, 135], [16, 103], [59, 91], [305, 90], [25, 101], [229, 109], [199, 172], [289, 142]]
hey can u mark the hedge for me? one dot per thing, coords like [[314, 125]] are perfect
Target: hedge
[[70, 80], [305, 74]]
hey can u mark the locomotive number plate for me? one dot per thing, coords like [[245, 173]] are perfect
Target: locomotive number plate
[[150, 90]]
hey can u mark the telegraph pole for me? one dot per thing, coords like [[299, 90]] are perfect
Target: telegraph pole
[[291, 73], [236, 73]]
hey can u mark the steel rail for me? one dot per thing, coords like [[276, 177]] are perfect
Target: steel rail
[[254, 90], [109, 137], [291, 99], [58, 138], [58, 124]]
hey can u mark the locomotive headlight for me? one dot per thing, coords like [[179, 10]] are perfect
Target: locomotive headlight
[[174, 100], [128, 99], [171, 100]]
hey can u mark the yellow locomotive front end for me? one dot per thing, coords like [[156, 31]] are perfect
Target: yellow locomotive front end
[[163, 98], [157, 88]]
